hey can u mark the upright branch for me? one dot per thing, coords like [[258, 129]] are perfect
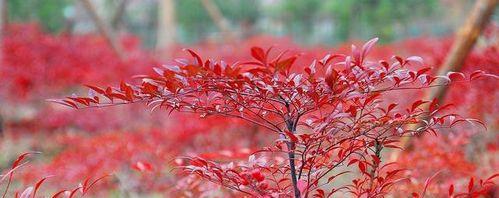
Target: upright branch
[[340, 113]]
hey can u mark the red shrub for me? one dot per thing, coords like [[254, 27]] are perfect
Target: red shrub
[[342, 115]]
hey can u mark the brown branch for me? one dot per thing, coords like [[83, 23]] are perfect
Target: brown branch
[[103, 28]]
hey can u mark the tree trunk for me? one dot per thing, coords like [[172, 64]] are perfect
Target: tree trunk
[[220, 21], [103, 28], [166, 25], [117, 20], [466, 38], [290, 125]]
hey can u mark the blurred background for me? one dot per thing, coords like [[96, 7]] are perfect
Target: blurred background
[[50, 48], [324, 22]]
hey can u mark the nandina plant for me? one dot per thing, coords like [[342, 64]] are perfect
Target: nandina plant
[[329, 116]]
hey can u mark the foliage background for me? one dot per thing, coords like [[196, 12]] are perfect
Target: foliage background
[[53, 46]]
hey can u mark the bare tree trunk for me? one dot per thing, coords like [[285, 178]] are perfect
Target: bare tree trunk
[[117, 20], [219, 20], [466, 38], [103, 28], [166, 25]]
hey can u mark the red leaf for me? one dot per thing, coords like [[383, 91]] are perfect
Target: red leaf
[[257, 175], [390, 107], [428, 181], [399, 59], [311, 68], [21, 157], [422, 71], [451, 189], [417, 104], [73, 193], [37, 185], [470, 184], [258, 54], [433, 105], [385, 65], [196, 56], [57, 194], [362, 167], [331, 76], [371, 98], [217, 69], [367, 46], [87, 186], [324, 61], [291, 136], [96, 89], [352, 110], [285, 65], [454, 75], [476, 74], [352, 162], [492, 177], [70, 103]]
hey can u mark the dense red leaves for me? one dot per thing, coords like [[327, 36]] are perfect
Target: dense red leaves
[[35, 62], [343, 111], [32, 50]]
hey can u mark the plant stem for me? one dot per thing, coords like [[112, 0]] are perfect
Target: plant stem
[[291, 156]]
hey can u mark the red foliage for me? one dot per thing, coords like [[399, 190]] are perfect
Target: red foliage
[[35, 62], [90, 139], [342, 115]]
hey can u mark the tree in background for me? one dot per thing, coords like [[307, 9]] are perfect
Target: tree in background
[[166, 24], [195, 23], [308, 21], [361, 18]]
